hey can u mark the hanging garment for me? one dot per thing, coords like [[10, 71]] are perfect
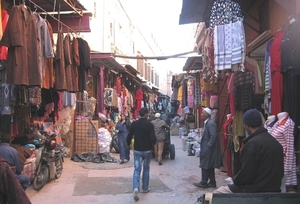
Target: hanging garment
[[225, 12], [85, 63], [48, 78], [60, 70], [276, 75], [68, 62], [21, 38], [75, 65], [3, 49], [45, 44], [283, 133]]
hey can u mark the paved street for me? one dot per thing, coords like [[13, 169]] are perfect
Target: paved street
[[108, 183]]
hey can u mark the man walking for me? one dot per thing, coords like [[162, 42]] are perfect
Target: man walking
[[144, 139], [261, 157], [160, 133], [210, 152]]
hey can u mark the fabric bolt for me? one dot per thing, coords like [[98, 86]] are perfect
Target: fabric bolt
[[222, 47], [283, 131], [276, 75], [21, 38]]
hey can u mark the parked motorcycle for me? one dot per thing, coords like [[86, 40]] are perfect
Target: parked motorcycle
[[49, 160]]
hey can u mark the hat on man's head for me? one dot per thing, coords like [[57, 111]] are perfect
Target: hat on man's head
[[157, 115], [252, 118], [207, 110]]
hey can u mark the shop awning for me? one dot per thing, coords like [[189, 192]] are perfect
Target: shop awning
[[65, 5], [193, 63], [106, 60], [131, 69]]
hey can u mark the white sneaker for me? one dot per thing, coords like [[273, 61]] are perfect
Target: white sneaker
[[136, 194]]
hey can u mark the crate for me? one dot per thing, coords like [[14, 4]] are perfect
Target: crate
[[86, 136]]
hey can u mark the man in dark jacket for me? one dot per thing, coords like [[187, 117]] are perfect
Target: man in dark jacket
[[210, 151], [261, 158], [144, 139]]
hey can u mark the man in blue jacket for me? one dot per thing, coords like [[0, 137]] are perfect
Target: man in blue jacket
[[10, 154], [144, 139], [261, 158]]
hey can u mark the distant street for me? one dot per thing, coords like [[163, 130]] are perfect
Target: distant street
[[112, 182]]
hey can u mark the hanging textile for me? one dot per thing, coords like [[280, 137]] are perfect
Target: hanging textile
[[21, 38], [60, 70], [225, 12], [85, 63], [48, 78], [276, 75], [75, 65]]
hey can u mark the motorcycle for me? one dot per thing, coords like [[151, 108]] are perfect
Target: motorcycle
[[49, 160]]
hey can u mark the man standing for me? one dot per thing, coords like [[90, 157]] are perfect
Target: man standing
[[210, 152], [160, 133], [261, 158], [10, 154], [144, 139]]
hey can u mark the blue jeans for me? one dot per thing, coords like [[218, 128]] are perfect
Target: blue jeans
[[141, 158], [24, 181]]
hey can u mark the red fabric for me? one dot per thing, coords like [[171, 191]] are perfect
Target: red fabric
[[276, 75], [3, 49], [139, 94], [118, 85], [226, 137]]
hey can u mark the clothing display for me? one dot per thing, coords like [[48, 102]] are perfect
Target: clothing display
[[282, 131]]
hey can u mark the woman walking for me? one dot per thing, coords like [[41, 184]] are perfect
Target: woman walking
[[123, 126]]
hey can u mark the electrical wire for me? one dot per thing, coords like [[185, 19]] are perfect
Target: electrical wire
[[157, 57]]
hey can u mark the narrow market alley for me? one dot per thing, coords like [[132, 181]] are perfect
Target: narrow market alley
[[88, 182]]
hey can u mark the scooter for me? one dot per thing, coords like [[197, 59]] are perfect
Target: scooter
[[49, 160]]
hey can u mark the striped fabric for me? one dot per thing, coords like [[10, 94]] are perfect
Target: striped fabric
[[283, 131], [222, 47], [197, 90]]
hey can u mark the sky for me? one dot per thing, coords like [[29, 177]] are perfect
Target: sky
[[161, 17]]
